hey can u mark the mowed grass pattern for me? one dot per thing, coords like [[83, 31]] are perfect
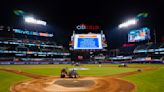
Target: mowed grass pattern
[[104, 71], [54, 70], [7, 79], [93, 71], [151, 81]]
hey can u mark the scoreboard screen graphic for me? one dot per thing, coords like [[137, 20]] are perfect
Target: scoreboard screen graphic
[[87, 41], [139, 35]]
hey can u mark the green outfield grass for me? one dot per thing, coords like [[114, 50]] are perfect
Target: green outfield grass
[[7, 79], [151, 81], [54, 70]]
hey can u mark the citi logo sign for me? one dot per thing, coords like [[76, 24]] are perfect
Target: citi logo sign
[[87, 27]]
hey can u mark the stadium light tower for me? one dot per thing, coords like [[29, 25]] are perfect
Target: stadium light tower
[[128, 23], [32, 20]]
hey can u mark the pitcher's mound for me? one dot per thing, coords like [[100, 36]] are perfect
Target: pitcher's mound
[[74, 83]]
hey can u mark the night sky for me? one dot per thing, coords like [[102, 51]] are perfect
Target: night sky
[[63, 16]]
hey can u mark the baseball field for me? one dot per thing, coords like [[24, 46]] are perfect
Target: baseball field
[[107, 78]]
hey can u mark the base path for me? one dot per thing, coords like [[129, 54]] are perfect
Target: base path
[[22, 73]]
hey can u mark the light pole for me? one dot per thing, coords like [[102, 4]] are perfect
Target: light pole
[[32, 20], [155, 39], [128, 23]]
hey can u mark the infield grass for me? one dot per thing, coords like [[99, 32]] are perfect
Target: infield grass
[[54, 70], [150, 81], [7, 79]]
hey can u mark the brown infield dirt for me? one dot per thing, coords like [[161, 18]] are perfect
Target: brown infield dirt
[[41, 83]]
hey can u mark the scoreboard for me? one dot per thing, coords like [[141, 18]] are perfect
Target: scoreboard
[[87, 41]]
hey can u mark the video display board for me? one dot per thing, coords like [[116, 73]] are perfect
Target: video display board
[[87, 41], [139, 35]]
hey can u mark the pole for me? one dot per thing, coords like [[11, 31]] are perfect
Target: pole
[[155, 39]]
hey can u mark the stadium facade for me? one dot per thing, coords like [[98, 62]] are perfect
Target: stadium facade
[[19, 46], [23, 45]]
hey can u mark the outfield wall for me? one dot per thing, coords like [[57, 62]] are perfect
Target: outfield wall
[[83, 62]]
